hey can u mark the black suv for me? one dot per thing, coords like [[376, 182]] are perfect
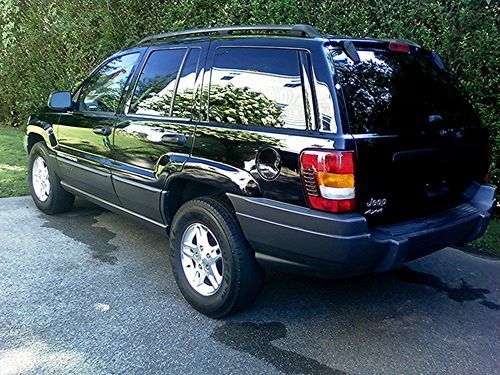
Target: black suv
[[270, 147]]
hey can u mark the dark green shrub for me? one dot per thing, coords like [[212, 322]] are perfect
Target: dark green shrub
[[52, 44]]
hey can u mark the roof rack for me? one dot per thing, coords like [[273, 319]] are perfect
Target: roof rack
[[296, 30]]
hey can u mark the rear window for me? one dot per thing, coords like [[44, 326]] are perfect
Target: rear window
[[393, 93]]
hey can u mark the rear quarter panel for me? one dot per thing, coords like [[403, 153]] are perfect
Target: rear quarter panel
[[231, 151]]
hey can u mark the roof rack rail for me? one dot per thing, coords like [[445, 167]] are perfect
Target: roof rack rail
[[297, 30]]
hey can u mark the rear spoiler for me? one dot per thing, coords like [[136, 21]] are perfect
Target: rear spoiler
[[351, 46]]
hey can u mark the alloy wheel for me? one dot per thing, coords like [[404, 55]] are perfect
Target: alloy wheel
[[40, 179], [201, 259]]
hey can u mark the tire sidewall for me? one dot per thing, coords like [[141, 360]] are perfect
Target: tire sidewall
[[224, 298]]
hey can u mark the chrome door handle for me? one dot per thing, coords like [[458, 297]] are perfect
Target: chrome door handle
[[173, 139]]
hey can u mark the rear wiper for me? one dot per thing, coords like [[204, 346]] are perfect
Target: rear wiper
[[351, 51]]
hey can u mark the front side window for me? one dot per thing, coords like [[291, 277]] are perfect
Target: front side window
[[155, 89], [257, 86], [102, 92]]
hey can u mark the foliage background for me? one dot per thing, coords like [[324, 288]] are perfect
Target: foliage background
[[50, 45]]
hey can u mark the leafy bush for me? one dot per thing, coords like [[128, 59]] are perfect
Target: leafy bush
[[52, 44]]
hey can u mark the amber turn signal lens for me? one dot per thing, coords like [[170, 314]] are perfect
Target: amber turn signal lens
[[336, 180]]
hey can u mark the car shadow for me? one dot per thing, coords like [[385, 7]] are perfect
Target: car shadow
[[294, 291]]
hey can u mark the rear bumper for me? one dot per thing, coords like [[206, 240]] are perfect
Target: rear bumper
[[298, 239]]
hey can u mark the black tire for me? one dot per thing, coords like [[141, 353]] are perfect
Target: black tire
[[243, 278], [59, 200]]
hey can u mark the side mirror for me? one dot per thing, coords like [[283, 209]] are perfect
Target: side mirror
[[60, 101]]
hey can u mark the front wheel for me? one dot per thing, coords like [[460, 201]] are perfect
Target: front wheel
[[45, 186], [213, 265]]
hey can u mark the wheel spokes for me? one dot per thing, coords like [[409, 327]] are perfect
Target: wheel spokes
[[201, 237], [188, 249], [214, 277], [213, 255], [199, 278]]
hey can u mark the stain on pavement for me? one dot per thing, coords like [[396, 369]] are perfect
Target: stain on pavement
[[464, 292], [256, 340], [97, 239]]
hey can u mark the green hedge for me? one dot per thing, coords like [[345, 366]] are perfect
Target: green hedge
[[47, 45]]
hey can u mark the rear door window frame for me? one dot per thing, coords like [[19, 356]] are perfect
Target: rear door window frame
[[306, 74]]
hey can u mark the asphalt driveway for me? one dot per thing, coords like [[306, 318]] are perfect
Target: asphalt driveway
[[92, 292]]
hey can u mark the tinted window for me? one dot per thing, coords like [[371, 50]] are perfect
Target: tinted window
[[392, 93], [183, 99], [156, 86], [258, 86], [102, 92]]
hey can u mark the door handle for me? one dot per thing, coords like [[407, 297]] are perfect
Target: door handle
[[173, 139], [102, 130]]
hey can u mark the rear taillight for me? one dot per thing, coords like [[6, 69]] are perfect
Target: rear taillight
[[328, 180], [399, 47]]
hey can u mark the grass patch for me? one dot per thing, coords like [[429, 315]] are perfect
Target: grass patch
[[13, 163], [490, 242]]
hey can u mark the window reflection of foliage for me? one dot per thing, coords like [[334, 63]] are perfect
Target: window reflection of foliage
[[183, 103], [235, 105], [103, 92], [181, 108], [308, 109], [158, 103], [367, 85], [109, 100], [150, 95], [396, 93]]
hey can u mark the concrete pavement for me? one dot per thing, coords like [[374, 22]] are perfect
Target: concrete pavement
[[92, 292]]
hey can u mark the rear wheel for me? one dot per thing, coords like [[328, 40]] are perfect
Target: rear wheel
[[45, 186], [213, 265]]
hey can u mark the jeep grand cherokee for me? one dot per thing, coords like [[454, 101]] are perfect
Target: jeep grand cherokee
[[258, 147]]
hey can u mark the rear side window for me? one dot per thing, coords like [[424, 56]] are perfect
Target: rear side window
[[394, 93], [154, 92], [183, 99], [103, 90], [257, 86]]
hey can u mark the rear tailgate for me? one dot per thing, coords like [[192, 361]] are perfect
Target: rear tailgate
[[419, 143]]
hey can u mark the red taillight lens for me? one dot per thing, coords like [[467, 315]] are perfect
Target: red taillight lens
[[328, 180], [399, 47]]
